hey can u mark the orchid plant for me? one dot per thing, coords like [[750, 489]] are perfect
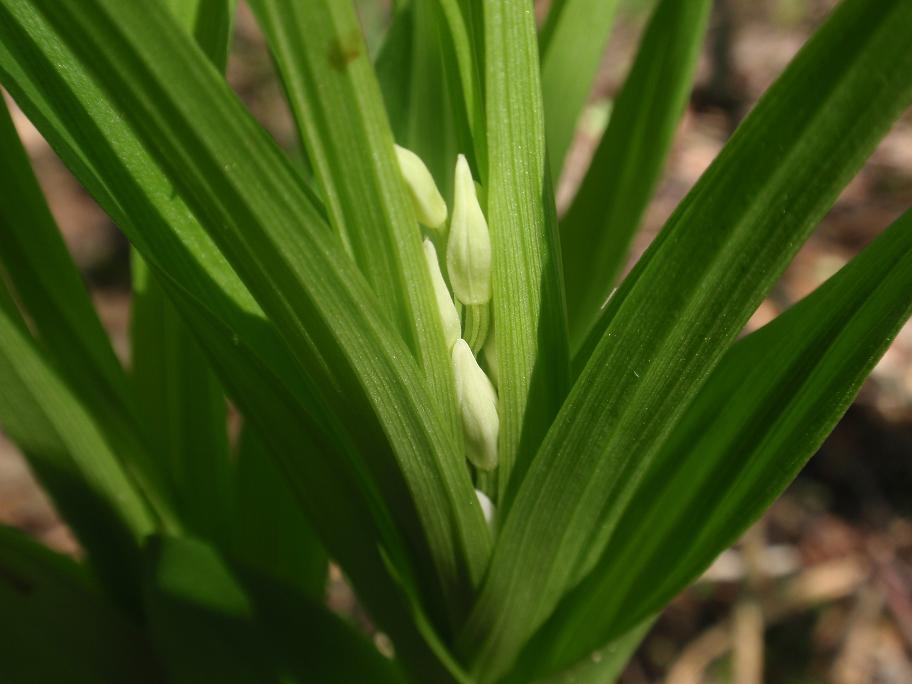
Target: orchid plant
[[515, 459]]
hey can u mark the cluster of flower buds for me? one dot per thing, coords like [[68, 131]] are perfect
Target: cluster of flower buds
[[468, 265]]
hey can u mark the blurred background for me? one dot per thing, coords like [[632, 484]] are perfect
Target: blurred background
[[821, 588]]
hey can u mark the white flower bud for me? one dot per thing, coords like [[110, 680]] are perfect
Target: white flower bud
[[449, 317], [430, 208], [487, 506], [478, 405], [469, 248]]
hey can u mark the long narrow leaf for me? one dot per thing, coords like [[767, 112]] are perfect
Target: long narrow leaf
[[58, 627], [762, 414], [68, 451], [269, 531], [597, 229], [337, 104], [50, 291], [179, 397], [683, 305], [572, 43], [529, 319]]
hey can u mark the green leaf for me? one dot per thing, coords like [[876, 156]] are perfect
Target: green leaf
[[572, 41], [393, 68], [764, 411], [270, 532], [58, 627], [683, 305], [465, 19], [182, 406], [200, 619], [253, 362], [604, 665], [265, 222], [178, 396], [71, 457], [212, 622], [528, 305], [600, 224], [336, 101], [47, 284], [210, 22], [49, 289]]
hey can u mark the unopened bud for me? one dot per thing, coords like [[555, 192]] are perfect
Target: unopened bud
[[469, 248], [430, 208], [487, 506], [478, 406], [449, 317]]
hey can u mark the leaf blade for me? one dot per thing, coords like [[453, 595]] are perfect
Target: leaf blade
[[600, 224], [684, 303], [761, 415], [528, 303]]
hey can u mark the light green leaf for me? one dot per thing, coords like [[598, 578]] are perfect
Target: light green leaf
[[528, 305], [764, 411], [599, 225], [572, 41], [681, 308], [58, 627]]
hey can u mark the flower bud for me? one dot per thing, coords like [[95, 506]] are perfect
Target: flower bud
[[449, 317], [487, 506], [469, 247], [430, 208], [478, 406]]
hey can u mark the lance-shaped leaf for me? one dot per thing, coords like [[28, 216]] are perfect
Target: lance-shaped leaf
[[58, 627], [181, 402], [211, 620], [269, 530], [336, 101], [572, 43], [68, 451], [49, 289], [683, 305], [599, 225], [762, 414], [528, 301]]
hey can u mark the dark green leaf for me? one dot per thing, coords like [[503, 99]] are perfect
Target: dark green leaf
[[269, 531], [762, 414], [597, 229], [57, 626], [69, 453], [683, 305], [180, 401]]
